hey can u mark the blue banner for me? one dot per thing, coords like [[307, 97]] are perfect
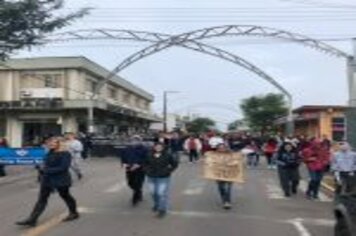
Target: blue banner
[[22, 156]]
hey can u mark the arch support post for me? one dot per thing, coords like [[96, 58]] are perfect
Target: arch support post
[[351, 112], [290, 128]]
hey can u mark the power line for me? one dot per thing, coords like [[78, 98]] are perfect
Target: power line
[[215, 8], [321, 4], [165, 21], [219, 16]]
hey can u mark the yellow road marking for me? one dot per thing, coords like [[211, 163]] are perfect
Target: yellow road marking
[[51, 223], [45, 227]]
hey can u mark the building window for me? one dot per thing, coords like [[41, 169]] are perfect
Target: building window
[[146, 105], [112, 93], [40, 80], [138, 105], [127, 97], [91, 85], [338, 128], [51, 80]]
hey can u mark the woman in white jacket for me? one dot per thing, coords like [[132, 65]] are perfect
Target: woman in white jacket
[[193, 147]]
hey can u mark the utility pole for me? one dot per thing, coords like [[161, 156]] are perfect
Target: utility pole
[[290, 119], [165, 108], [90, 128], [165, 111], [351, 113]]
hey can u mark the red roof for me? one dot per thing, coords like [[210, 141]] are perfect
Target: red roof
[[319, 108]]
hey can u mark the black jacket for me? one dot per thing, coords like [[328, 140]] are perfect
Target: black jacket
[[160, 167], [134, 154], [55, 172], [288, 159]]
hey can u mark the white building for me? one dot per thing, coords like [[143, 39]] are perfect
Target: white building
[[44, 96]]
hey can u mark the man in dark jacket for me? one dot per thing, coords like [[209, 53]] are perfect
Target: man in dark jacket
[[288, 162], [133, 158], [175, 145], [159, 166]]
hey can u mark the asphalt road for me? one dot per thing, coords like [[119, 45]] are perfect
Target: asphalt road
[[259, 207]]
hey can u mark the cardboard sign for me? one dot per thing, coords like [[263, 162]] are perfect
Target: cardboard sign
[[227, 166]]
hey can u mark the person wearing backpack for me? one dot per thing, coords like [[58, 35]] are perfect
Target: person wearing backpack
[[193, 147], [288, 162]]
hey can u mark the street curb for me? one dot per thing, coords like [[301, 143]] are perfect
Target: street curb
[[14, 179]]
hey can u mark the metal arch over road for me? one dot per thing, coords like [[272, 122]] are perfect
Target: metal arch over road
[[104, 34], [144, 36], [230, 30], [261, 31], [226, 30]]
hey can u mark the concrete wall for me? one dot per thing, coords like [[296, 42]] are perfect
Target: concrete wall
[[69, 123], [76, 81], [14, 128]]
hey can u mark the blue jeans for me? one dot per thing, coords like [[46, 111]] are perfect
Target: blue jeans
[[159, 188], [314, 183], [225, 189], [253, 159]]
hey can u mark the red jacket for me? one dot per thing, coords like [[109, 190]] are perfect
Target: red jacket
[[270, 148], [316, 156]]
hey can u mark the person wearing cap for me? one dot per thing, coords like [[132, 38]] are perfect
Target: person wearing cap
[[224, 187], [215, 141], [343, 166], [133, 158]]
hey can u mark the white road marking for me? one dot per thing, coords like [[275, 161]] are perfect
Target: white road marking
[[298, 223], [302, 230], [319, 222], [195, 187], [303, 186], [86, 210], [273, 190], [116, 188]]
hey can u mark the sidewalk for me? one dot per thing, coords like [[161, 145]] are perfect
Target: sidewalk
[[17, 173]]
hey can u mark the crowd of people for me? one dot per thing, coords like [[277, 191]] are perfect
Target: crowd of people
[[285, 154], [155, 159]]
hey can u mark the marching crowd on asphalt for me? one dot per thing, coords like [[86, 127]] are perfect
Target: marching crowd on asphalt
[[153, 160]]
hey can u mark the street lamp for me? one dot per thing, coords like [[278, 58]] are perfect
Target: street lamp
[[165, 103]]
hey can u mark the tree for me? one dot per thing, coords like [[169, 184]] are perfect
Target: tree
[[236, 125], [25, 23], [261, 111], [200, 125]]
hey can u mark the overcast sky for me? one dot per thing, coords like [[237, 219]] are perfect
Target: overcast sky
[[312, 77]]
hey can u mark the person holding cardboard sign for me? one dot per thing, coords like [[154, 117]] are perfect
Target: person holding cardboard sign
[[225, 167]]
